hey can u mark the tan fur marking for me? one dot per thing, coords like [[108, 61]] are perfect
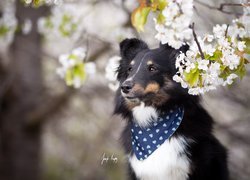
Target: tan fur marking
[[149, 62], [131, 105], [137, 88], [152, 88]]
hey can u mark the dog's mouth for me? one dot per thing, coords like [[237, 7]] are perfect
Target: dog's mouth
[[131, 97]]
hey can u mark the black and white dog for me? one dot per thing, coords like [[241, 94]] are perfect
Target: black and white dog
[[168, 135]]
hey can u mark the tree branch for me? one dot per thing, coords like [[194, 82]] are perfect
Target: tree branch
[[99, 53], [6, 80], [47, 108], [197, 42], [226, 31], [53, 104], [222, 5], [233, 134]]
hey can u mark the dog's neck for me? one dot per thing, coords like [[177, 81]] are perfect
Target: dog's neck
[[146, 139]]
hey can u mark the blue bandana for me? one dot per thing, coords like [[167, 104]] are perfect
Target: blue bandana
[[146, 140]]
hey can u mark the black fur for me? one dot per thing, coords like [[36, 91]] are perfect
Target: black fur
[[208, 157]]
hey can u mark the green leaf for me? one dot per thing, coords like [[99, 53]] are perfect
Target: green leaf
[[247, 43], [241, 70], [192, 77], [3, 30], [158, 5], [79, 71], [207, 56], [37, 3], [139, 17], [76, 71], [67, 28], [240, 25], [69, 77], [72, 56], [216, 56], [160, 18], [48, 23], [162, 4], [140, 14], [226, 72], [222, 67]]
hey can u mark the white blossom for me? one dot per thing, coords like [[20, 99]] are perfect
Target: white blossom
[[111, 72], [223, 50], [8, 24], [79, 52], [230, 79], [189, 67], [241, 45], [42, 2], [111, 68], [73, 64], [203, 64], [77, 82], [63, 23], [27, 26], [180, 80], [230, 59], [90, 68], [196, 91], [176, 29], [113, 86], [219, 30], [209, 37]]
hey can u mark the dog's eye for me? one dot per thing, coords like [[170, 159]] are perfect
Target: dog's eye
[[152, 68], [129, 69]]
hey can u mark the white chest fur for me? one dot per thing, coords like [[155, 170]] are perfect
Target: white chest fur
[[144, 115], [168, 162]]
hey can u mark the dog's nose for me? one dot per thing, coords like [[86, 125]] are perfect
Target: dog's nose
[[126, 86]]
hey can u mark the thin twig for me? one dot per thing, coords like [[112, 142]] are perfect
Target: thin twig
[[226, 31], [99, 53], [222, 5], [232, 4], [197, 42], [49, 107]]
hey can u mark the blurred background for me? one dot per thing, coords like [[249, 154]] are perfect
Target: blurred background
[[50, 131]]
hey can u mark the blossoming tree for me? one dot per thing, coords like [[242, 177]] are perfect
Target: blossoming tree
[[214, 59], [73, 36]]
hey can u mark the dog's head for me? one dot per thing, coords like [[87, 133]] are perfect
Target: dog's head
[[145, 74]]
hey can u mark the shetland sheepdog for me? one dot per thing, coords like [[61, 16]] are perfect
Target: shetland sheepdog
[[168, 134]]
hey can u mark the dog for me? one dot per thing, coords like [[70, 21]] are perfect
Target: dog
[[168, 134]]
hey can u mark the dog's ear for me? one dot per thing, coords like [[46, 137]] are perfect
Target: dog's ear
[[184, 48], [172, 53], [165, 46], [130, 47]]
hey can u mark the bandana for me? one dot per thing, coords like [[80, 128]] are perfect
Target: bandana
[[146, 140]]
